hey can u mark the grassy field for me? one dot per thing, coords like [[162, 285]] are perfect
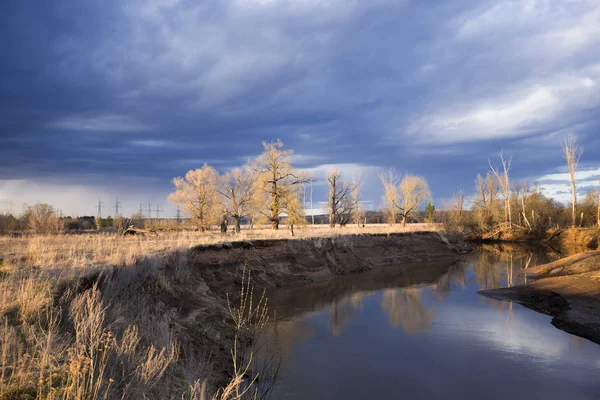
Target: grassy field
[[84, 317]]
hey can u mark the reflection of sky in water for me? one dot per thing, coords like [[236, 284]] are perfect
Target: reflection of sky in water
[[437, 340]]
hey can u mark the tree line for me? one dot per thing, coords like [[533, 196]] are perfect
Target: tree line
[[502, 203], [269, 189]]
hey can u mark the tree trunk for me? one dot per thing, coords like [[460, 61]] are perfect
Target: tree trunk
[[404, 221], [237, 219], [275, 223], [574, 205]]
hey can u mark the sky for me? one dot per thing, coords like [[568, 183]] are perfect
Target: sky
[[107, 99]]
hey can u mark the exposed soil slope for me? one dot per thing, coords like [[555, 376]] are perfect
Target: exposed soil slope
[[275, 263], [568, 289]]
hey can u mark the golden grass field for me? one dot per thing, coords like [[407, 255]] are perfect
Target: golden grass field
[[61, 340]]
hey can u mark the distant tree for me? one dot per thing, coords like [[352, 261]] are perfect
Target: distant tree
[[405, 197], [430, 212], [42, 219], [391, 197], [277, 181], [414, 190], [485, 200], [197, 194], [339, 198], [237, 190], [294, 209], [109, 221], [357, 210], [572, 152], [504, 182], [99, 223]]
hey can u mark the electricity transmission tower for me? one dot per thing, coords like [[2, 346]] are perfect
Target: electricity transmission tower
[[178, 215], [149, 216], [158, 211], [99, 206], [117, 206]]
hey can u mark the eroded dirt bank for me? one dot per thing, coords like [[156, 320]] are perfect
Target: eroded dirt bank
[[567, 289], [276, 263], [567, 241]]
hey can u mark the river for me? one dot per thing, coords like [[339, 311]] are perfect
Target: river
[[422, 332]]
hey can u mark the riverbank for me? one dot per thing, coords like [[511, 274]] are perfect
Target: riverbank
[[161, 322], [567, 289], [567, 241]]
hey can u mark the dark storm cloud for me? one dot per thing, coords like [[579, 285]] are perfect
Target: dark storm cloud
[[134, 93]]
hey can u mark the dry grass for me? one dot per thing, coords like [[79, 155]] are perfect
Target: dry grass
[[87, 316]]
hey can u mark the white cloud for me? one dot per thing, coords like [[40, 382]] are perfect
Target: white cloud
[[81, 198], [518, 112]]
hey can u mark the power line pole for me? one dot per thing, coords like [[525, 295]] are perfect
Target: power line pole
[[158, 211], [141, 211], [99, 206], [117, 205], [149, 216], [178, 215]]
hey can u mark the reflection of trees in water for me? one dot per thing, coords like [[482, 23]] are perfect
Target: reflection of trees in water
[[342, 312], [457, 274], [405, 308]]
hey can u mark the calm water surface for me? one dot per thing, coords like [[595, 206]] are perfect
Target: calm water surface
[[424, 333]]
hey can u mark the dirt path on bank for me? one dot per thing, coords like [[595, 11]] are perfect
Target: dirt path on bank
[[567, 289]]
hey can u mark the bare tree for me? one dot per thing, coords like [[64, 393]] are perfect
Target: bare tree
[[485, 199], [458, 207], [277, 179], [504, 182], [572, 155], [356, 207], [197, 194], [339, 198], [42, 219], [414, 190], [294, 209], [391, 197], [403, 198], [237, 191]]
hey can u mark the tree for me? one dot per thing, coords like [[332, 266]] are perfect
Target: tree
[[197, 194], [403, 198], [458, 207], [572, 155], [504, 182], [414, 190], [277, 180], [294, 209], [109, 221], [42, 219], [237, 191], [430, 212], [356, 207], [485, 200], [391, 202], [339, 198]]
